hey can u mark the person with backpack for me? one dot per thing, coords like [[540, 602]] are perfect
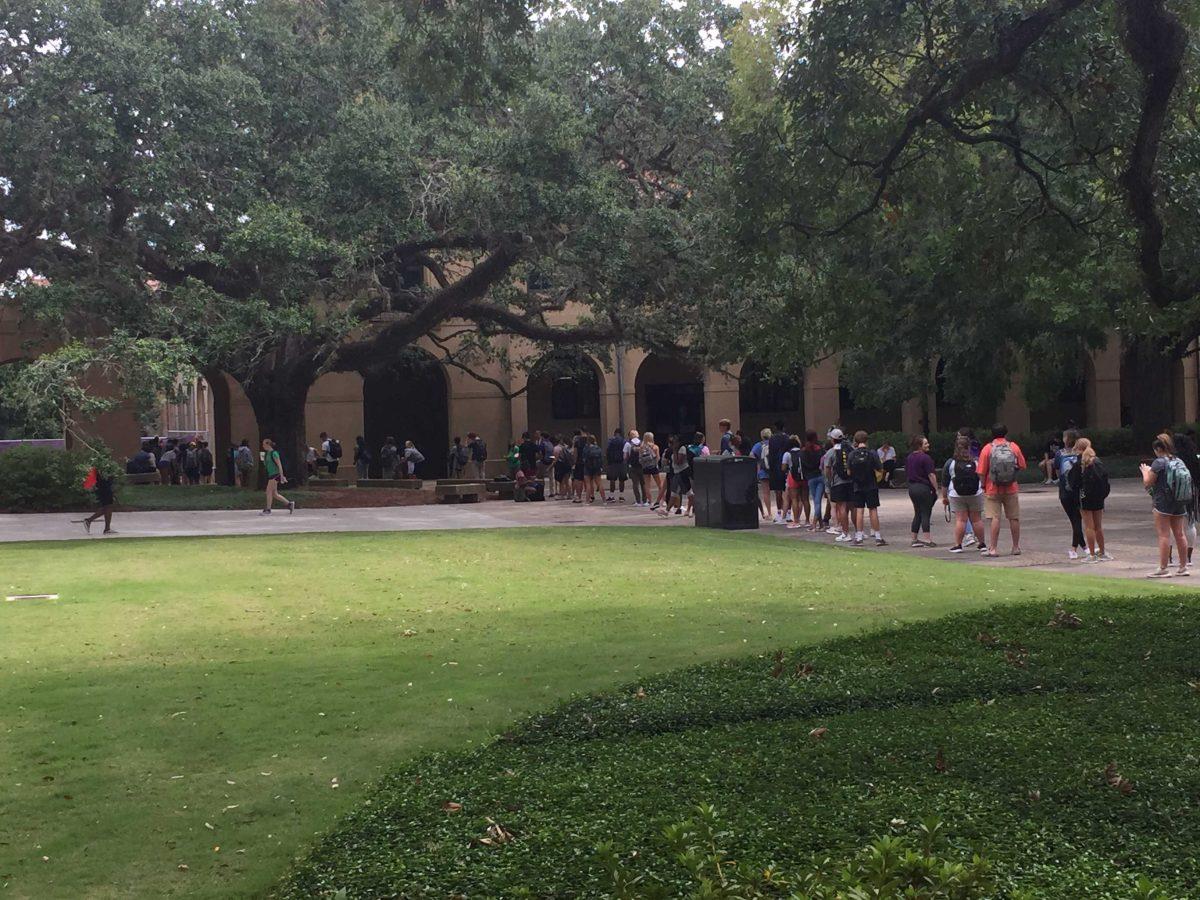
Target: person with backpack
[[1092, 485], [761, 452], [921, 474], [633, 467], [389, 455], [1185, 449], [999, 463], [680, 483], [243, 463], [810, 470], [839, 484], [962, 491], [797, 486], [191, 463], [865, 472], [1170, 485], [778, 444], [275, 478], [362, 458], [727, 436], [412, 459], [593, 468], [652, 479], [456, 459], [331, 452], [207, 463], [528, 453], [1065, 459], [564, 462], [614, 465], [477, 455]]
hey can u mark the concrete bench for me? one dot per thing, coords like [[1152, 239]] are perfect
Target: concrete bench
[[502, 489], [460, 492], [403, 484], [142, 478]]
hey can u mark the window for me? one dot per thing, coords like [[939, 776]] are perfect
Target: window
[[759, 394], [575, 397]]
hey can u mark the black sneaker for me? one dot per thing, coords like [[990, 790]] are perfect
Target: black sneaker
[[880, 542], [957, 548]]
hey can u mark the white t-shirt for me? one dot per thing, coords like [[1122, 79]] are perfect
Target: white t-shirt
[[949, 469]]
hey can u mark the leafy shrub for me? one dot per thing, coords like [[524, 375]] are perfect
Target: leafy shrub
[[889, 868], [37, 479]]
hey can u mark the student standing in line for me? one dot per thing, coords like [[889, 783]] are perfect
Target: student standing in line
[[206, 463], [593, 469], [652, 484], [633, 466], [243, 462], [865, 471], [796, 484], [839, 484], [761, 452], [1170, 485], [389, 454], [1092, 487], [777, 445], [614, 466], [412, 458], [727, 436], [963, 493], [1065, 459], [275, 478], [999, 463], [810, 468], [920, 472], [1185, 449]]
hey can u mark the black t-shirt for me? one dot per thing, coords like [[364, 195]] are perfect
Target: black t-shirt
[[528, 453], [778, 445]]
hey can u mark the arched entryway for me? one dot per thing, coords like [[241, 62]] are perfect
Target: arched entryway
[[408, 400], [1066, 405], [670, 397], [865, 416], [563, 394], [763, 400]]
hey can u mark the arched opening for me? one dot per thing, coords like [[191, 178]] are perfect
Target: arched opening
[[1066, 406], [407, 400], [866, 417], [563, 394], [670, 397], [16, 423], [763, 401]]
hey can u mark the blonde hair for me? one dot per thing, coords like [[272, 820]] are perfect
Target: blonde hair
[[1087, 455], [409, 445], [647, 437], [765, 433]]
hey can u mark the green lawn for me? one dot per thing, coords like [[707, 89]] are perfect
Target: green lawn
[[200, 496], [185, 695]]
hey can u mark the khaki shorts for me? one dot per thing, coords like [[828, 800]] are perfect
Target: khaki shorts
[[1007, 504], [971, 504]]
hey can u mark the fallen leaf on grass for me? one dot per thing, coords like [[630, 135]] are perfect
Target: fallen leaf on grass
[[1064, 619], [939, 762], [817, 733], [182, 867], [451, 807], [496, 834], [1116, 780]]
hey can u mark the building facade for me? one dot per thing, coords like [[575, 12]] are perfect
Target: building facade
[[422, 399]]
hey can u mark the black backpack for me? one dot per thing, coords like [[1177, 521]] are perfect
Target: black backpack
[[1094, 481], [965, 478], [862, 467], [841, 465], [797, 463], [615, 451], [335, 448]]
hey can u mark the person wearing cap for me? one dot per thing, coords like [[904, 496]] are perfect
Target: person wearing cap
[[841, 486]]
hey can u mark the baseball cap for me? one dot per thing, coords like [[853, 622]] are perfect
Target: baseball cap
[[836, 434]]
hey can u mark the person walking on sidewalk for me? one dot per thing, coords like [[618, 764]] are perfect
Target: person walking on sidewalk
[[999, 463], [275, 478]]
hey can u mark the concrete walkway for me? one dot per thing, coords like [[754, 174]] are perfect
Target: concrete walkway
[[1046, 533]]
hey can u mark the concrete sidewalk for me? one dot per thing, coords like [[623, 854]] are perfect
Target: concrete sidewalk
[[1046, 533]]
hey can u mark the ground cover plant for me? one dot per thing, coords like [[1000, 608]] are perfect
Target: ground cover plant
[[1060, 744], [193, 713]]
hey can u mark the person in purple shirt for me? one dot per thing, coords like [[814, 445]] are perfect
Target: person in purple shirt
[[922, 488]]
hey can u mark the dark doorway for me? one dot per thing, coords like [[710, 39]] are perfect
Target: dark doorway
[[675, 409], [408, 401]]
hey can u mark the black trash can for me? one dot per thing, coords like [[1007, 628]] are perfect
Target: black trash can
[[726, 492]]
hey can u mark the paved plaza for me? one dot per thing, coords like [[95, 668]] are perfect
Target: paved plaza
[[1045, 530]]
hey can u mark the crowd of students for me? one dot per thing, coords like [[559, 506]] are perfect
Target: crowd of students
[[175, 460]]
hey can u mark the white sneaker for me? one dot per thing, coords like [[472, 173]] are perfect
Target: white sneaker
[[843, 538], [968, 540], [788, 517], [1071, 554], [1105, 557], [832, 530], [778, 520]]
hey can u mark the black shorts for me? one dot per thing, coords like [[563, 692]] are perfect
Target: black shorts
[[562, 472], [1091, 505], [649, 470], [840, 493], [593, 471], [778, 480], [682, 483], [577, 472], [867, 498]]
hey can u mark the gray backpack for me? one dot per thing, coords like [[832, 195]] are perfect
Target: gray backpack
[[1002, 470]]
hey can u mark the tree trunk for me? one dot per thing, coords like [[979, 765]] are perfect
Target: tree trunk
[[1150, 369], [279, 401]]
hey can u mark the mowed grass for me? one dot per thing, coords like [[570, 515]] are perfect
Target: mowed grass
[[192, 714]]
